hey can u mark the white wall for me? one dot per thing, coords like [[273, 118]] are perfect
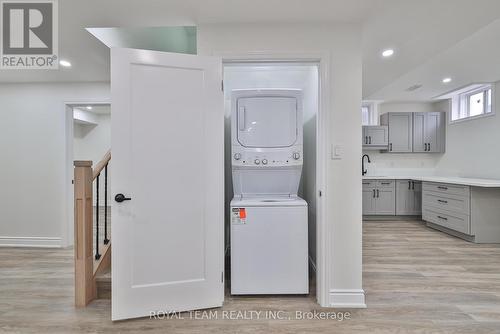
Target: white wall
[[295, 76], [403, 163], [33, 125], [472, 146], [91, 142], [341, 43]]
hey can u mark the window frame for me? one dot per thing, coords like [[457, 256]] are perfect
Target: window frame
[[461, 103], [372, 113]]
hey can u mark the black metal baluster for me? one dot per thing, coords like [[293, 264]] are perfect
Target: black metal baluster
[[106, 240], [97, 255]]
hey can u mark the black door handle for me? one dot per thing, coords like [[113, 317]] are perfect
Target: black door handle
[[120, 198]]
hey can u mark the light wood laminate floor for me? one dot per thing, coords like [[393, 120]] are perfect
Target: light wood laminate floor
[[416, 280]]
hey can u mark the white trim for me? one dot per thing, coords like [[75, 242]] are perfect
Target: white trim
[[323, 235], [347, 298], [471, 118], [42, 242], [67, 228]]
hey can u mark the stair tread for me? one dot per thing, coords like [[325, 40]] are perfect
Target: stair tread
[[104, 276]]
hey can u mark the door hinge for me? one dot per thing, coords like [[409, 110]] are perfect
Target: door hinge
[[222, 85], [222, 277]]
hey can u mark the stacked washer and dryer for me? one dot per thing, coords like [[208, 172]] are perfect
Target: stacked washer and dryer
[[269, 241]]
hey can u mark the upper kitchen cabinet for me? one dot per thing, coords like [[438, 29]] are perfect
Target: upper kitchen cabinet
[[375, 137], [400, 126], [429, 132]]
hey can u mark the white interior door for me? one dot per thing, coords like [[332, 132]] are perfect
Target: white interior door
[[167, 145]]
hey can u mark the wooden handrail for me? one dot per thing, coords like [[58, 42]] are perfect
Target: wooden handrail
[[101, 164]]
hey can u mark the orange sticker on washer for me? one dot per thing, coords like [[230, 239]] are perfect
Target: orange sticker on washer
[[243, 213]]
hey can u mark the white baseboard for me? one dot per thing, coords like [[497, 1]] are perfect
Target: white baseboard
[[43, 242], [347, 298]]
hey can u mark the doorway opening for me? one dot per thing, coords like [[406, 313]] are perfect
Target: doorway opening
[[88, 138], [305, 77]]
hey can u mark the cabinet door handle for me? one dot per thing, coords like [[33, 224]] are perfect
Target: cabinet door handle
[[443, 218], [369, 139], [390, 147], [409, 184], [385, 183], [378, 194], [443, 188], [429, 147], [373, 193], [442, 201], [366, 183], [413, 185], [366, 139]]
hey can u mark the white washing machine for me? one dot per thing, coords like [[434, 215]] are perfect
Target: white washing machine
[[269, 234]]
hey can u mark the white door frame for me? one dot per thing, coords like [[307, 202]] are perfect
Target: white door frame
[[323, 233], [67, 228]]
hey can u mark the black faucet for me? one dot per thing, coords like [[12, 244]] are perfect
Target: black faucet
[[363, 170]]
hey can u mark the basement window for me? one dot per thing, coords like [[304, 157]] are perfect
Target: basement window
[[472, 102], [368, 113]]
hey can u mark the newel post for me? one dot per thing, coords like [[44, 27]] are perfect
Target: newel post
[[85, 289]]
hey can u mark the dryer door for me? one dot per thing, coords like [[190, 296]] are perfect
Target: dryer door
[[267, 121]]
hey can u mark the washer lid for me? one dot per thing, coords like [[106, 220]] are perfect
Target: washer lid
[[267, 201]]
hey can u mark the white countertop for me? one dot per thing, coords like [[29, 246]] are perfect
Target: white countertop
[[489, 183]]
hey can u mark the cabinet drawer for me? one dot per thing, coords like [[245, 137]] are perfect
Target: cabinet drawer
[[445, 188], [385, 183], [369, 183], [457, 222], [454, 203]]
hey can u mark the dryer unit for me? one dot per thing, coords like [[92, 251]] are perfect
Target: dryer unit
[[269, 242]]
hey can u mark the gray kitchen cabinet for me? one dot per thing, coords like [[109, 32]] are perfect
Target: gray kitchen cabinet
[[368, 200], [468, 212], [400, 126], [447, 205], [375, 137], [408, 198], [379, 197], [429, 132]]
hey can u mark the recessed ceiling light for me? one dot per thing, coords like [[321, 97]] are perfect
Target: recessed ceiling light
[[446, 80], [64, 63], [89, 107], [387, 53]]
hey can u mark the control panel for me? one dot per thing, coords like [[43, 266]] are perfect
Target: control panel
[[262, 159]]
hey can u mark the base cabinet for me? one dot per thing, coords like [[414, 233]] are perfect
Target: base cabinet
[[379, 197], [448, 206], [408, 198]]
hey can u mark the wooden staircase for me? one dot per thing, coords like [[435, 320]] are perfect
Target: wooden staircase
[[92, 253], [103, 285]]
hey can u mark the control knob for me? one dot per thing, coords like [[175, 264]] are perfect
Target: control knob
[[296, 156], [264, 161], [257, 161], [237, 156]]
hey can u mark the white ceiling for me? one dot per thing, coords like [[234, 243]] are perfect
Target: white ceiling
[[90, 58], [432, 38]]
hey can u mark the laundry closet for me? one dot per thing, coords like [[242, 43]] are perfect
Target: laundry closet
[[270, 176]]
